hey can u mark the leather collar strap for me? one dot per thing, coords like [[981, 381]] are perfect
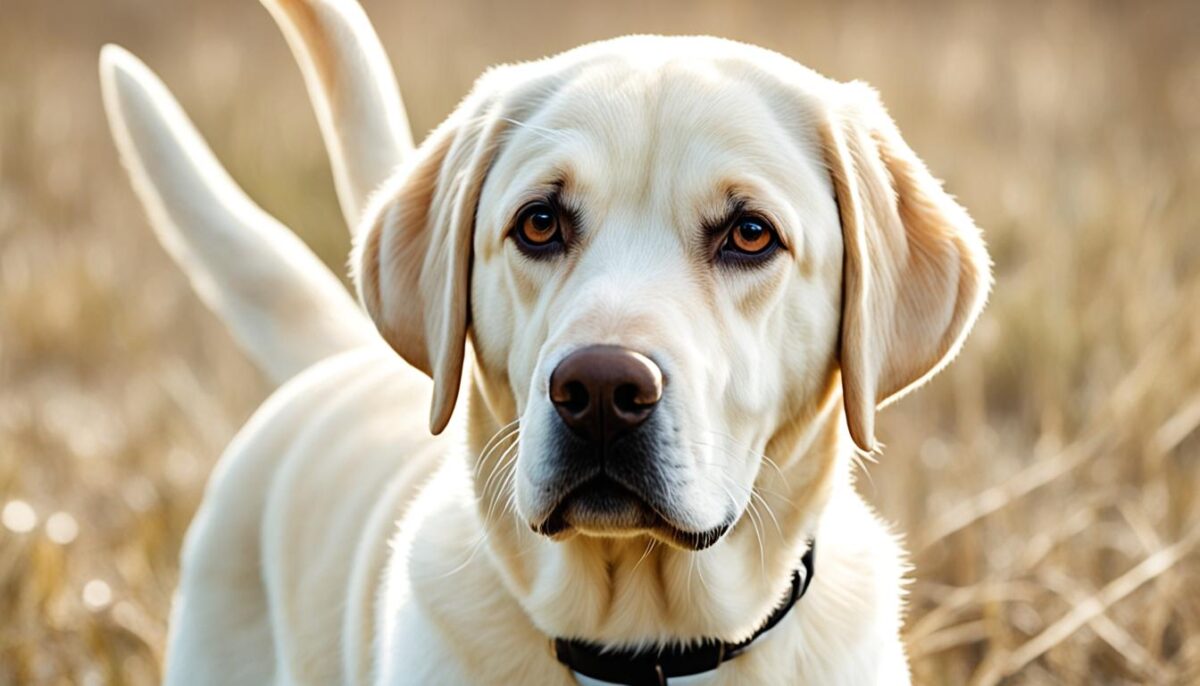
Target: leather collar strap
[[652, 667]]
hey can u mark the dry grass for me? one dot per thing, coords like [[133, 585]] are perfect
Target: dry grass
[[1049, 482]]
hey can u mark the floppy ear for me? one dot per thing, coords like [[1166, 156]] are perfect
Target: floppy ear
[[413, 257], [916, 270]]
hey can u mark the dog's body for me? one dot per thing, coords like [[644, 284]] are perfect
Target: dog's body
[[289, 577], [750, 248]]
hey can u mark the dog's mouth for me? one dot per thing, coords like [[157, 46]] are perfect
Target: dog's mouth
[[602, 507]]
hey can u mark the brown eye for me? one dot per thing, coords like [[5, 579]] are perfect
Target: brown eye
[[749, 237], [538, 229]]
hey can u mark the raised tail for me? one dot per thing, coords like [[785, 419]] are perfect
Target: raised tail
[[353, 91], [283, 306]]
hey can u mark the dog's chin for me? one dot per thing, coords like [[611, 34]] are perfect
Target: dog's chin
[[602, 508]]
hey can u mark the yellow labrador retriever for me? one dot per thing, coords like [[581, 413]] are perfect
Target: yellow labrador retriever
[[672, 280]]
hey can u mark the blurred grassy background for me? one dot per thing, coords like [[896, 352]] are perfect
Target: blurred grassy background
[[1048, 482]]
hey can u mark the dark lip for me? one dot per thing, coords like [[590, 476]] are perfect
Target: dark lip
[[608, 499]]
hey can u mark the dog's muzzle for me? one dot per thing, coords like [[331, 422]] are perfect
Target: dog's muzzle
[[607, 441]]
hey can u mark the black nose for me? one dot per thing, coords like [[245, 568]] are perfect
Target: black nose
[[602, 391]]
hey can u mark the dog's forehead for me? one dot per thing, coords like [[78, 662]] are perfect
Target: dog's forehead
[[677, 122]]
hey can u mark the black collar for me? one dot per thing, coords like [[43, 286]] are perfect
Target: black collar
[[652, 667]]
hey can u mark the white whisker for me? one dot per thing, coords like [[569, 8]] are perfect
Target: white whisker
[[649, 546]]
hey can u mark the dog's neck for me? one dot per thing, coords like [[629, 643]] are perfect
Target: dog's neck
[[637, 591]]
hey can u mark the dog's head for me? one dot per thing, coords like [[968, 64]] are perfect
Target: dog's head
[[672, 256]]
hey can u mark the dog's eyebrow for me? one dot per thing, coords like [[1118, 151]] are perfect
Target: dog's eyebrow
[[735, 203], [556, 188], [550, 188]]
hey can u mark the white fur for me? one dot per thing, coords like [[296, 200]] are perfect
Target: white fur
[[339, 542], [284, 307], [349, 79], [287, 578]]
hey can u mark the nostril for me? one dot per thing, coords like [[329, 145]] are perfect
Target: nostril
[[576, 398], [627, 398], [602, 391]]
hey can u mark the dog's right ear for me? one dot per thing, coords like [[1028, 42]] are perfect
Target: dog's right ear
[[413, 255]]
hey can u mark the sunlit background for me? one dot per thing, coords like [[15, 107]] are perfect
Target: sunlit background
[[1048, 483]]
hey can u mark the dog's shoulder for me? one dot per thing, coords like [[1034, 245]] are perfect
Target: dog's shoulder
[[294, 500]]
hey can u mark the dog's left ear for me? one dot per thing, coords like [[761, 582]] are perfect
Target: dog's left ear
[[916, 270], [413, 258]]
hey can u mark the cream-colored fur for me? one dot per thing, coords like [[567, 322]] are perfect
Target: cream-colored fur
[[340, 542]]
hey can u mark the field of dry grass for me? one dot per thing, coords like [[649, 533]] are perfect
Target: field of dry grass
[[1048, 482]]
